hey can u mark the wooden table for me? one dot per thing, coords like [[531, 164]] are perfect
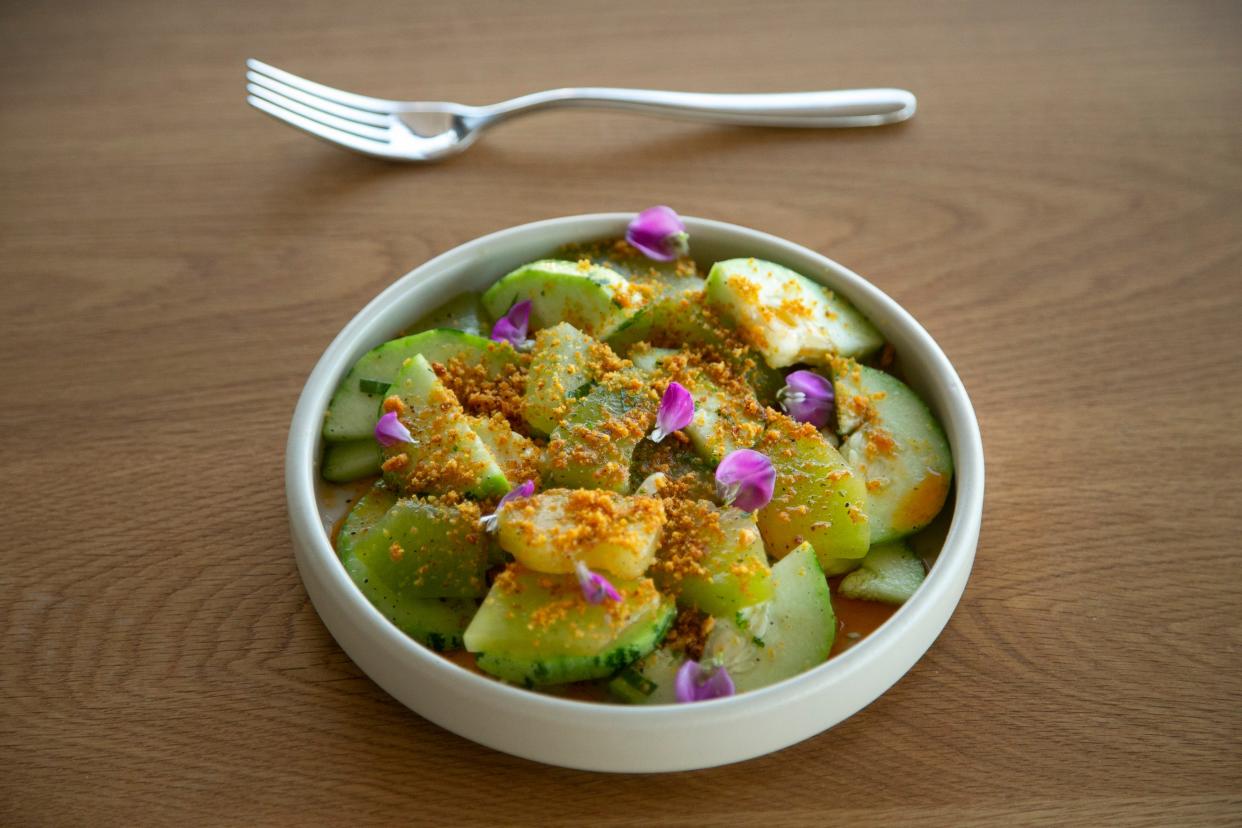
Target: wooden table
[[1064, 215]]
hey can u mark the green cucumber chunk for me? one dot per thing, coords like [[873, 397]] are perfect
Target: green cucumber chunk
[[594, 446], [516, 455], [343, 462], [353, 409], [560, 365], [555, 530], [690, 475], [444, 454], [618, 255], [724, 421], [420, 549], [712, 559], [461, 313], [897, 445], [537, 629], [434, 622], [685, 320], [794, 634], [890, 573], [786, 316], [593, 299], [818, 497]]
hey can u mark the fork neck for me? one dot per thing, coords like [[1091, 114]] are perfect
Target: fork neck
[[837, 108]]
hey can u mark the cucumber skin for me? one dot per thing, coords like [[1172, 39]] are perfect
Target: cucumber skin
[[352, 412], [531, 671], [650, 680]]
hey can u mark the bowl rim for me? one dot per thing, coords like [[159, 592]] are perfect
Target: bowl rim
[[316, 551]]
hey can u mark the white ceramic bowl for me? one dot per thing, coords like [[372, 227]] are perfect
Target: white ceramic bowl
[[614, 737]]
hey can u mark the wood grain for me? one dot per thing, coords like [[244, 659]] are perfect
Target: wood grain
[[1063, 215]]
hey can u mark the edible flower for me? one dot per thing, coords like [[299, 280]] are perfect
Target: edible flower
[[807, 397], [389, 431], [512, 326], [696, 682], [595, 587], [676, 411], [659, 234], [745, 479], [489, 522]]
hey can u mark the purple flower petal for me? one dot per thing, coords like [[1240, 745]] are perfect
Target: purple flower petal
[[389, 430], [694, 683], [807, 397], [527, 489], [659, 234], [512, 326], [595, 587], [676, 411], [745, 479]]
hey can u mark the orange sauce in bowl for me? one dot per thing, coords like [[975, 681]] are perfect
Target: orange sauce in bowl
[[855, 619]]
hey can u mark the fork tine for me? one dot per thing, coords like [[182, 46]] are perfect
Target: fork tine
[[359, 115], [327, 133], [318, 116], [376, 105]]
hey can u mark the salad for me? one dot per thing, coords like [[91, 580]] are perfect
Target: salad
[[612, 477]]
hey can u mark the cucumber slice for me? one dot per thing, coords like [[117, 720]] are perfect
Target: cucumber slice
[[686, 321], [618, 255], [353, 410], [343, 462], [890, 573], [593, 299], [560, 365], [689, 475], [419, 549], [650, 359], [650, 680], [555, 529], [840, 566], [723, 421], [461, 313], [444, 455], [897, 445], [516, 455], [818, 497], [593, 447], [536, 629], [794, 635], [712, 559], [787, 317], [434, 622]]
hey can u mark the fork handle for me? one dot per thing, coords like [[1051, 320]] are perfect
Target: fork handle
[[841, 108]]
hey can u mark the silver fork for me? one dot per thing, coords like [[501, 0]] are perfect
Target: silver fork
[[427, 131]]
